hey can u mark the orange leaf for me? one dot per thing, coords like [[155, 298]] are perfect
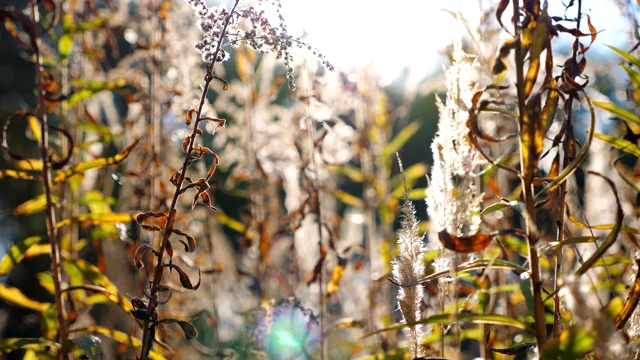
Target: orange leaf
[[190, 116], [465, 244], [336, 276]]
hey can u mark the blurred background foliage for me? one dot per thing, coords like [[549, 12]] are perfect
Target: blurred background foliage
[[130, 73]]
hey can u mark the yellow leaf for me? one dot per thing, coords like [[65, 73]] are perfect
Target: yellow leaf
[[97, 219], [336, 276], [28, 164], [91, 273], [232, 224], [92, 164], [16, 254], [35, 205], [348, 199], [8, 173], [46, 281], [120, 337], [16, 297], [13, 344], [34, 127], [381, 116]]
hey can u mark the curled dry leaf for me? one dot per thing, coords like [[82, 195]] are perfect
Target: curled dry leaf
[[190, 331], [185, 143], [219, 122], [212, 169], [140, 251], [206, 200], [160, 291], [142, 217], [189, 116], [502, 6], [465, 244], [184, 278], [190, 244]]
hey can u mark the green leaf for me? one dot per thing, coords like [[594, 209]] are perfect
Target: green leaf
[[90, 344], [621, 144], [493, 207], [625, 115], [348, 199], [46, 281], [65, 45], [527, 293], [400, 139], [90, 273], [13, 344], [80, 95], [625, 55], [477, 265], [417, 194], [39, 355], [574, 240], [354, 174], [16, 253], [634, 76], [91, 24], [612, 260], [49, 322], [412, 174], [90, 88], [571, 344], [490, 319], [611, 237], [102, 295]]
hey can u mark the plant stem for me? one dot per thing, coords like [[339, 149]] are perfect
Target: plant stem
[[41, 113], [149, 325], [528, 169], [147, 339]]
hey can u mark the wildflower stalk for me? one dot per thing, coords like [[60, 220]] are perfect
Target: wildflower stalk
[[149, 323], [56, 260], [408, 269], [528, 170], [149, 328]]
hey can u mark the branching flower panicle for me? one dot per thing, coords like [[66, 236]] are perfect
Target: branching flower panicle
[[249, 26], [453, 201], [407, 269]]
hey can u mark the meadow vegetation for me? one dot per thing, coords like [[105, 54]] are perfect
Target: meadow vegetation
[[182, 180]]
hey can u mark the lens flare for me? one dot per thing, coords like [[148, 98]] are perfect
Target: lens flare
[[286, 330]]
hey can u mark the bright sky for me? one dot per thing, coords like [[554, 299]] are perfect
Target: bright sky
[[395, 34]]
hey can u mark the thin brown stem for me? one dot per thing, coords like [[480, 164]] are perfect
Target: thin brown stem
[[528, 169], [150, 325], [562, 193], [56, 260]]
